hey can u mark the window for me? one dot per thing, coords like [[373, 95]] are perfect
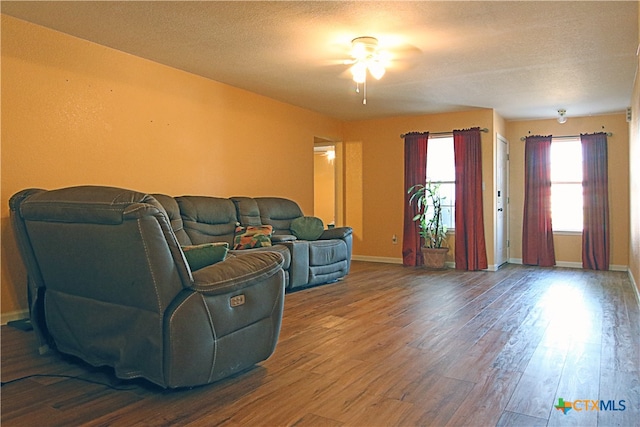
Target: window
[[441, 169], [566, 184]]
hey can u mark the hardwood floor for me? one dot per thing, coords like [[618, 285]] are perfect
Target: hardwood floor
[[387, 346]]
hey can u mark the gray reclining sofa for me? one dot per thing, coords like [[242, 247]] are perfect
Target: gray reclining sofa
[[204, 219]]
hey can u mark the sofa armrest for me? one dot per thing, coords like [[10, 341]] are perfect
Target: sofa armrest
[[281, 248], [279, 238], [236, 273], [336, 233], [299, 268]]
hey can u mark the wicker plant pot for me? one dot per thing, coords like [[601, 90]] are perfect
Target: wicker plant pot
[[434, 258]]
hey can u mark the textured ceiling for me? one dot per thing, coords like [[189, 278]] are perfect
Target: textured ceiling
[[524, 59]]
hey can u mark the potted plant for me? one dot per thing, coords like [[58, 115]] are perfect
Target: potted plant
[[429, 203]]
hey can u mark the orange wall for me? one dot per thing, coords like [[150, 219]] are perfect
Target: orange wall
[[376, 150], [74, 112], [568, 247]]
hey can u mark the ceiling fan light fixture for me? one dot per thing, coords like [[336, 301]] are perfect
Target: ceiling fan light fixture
[[367, 58], [358, 50], [363, 47], [359, 71], [562, 118], [376, 69]]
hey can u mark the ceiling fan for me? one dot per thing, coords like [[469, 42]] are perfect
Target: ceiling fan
[[367, 58]]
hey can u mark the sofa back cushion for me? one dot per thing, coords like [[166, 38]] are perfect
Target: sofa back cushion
[[278, 212], [208, 219], [95, 242], [173, 212], [247, 210]]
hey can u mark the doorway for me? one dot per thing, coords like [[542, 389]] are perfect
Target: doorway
[[324, 182], [328, 185]]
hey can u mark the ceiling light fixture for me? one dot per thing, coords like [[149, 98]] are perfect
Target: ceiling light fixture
[[366, 58], [331, 155], [562, 118]]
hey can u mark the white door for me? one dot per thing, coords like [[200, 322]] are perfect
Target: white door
[[502, 202]]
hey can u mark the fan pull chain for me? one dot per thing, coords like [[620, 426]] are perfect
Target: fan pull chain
[[364, 98], [364, 88]]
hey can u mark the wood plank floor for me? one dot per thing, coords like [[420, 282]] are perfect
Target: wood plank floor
[[387, 346]]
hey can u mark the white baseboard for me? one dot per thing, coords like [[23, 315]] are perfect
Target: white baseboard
[[572, 264], [569, 264], [566, 264], [619, 268], [385, 260], [388, 260], [14, 315], [635, 286]]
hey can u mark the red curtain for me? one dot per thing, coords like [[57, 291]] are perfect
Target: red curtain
[[470, 250], [537, 234], [415, 172], [595, 187]]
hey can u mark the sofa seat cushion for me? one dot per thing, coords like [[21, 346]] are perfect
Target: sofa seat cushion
[[325, 252]]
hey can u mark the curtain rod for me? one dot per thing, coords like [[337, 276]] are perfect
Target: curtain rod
[[402, 135], [564, 136]]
